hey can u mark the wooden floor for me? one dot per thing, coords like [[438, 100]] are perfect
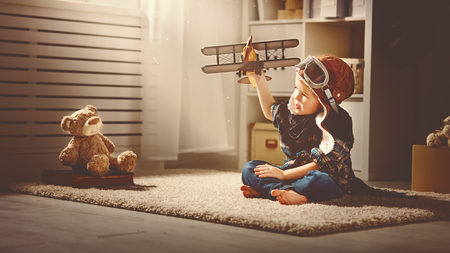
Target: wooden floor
[[38, 224]]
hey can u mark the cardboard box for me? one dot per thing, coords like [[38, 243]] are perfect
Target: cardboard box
[[293, 4], [333, 8], [298, 14], [285, 14], [290, 14], [265, 144], [431, 169]]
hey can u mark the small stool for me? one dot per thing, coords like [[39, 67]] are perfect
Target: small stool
[[69, 178]]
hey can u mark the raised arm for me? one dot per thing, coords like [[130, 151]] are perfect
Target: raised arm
[[266, 99]]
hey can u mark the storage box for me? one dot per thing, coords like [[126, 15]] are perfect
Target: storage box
[[293, 9], [314, 10], [357, 66], [290, 14], [333, 8], [265, 145], [357, 8], [293, 4], [268, 9], [431, 169]]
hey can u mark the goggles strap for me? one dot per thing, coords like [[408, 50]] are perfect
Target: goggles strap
[[332, 100]]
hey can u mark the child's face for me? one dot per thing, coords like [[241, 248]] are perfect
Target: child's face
[[306, 101]]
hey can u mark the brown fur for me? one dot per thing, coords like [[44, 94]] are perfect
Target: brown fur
[[92, 153]]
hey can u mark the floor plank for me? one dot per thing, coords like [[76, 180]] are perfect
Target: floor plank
[[38, 224]]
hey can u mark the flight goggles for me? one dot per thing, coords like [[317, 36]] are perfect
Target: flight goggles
[[316, 76]]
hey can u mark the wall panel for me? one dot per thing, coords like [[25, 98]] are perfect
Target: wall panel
[[58, 57]]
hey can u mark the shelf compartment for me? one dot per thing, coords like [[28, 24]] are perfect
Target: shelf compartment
[[347, 39]]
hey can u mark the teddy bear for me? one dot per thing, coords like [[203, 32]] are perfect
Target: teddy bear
[[89, 150], [440, 137]]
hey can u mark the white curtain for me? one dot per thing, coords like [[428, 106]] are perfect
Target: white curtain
[[186, 110]]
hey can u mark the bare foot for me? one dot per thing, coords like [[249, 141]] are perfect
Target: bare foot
[[288, 197], [249, 192]]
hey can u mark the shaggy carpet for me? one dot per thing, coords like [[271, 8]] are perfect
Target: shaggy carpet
[[214, 196]]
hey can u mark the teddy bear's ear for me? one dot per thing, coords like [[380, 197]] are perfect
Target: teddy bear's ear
[[65, 123], [447, 120], [91, 108]]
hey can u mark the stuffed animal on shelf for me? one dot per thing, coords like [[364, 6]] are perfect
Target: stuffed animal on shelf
[[89, 150], [440, 137]]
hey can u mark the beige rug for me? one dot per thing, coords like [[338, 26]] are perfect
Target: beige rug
[[214, 196]]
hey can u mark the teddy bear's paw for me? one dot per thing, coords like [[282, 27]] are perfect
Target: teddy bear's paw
[[68, 157], [433, 140], [446, 131], [98, 165], [125, 162]]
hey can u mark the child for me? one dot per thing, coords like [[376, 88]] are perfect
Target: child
[[315, 134]]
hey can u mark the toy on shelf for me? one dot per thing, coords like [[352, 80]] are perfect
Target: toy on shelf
[[440, 137]]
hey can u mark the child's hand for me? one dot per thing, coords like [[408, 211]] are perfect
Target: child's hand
[[254, 78], [268, 170], [254, 75]]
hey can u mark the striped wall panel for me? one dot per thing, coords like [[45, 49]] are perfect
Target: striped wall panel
[[54, 61]]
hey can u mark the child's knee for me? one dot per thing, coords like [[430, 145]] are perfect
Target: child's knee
[[320, 187], [252, 164], [248, 170], [323, 181], [320, 180], [319, 176]]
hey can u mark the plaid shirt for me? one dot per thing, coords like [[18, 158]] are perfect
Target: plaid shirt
[[337, 164], [298, 134]]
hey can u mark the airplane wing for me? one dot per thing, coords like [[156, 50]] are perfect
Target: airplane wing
[[276, 44], [281, 63], [237, 48], [211, 69], [228, 49]]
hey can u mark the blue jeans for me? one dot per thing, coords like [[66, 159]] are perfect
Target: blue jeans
[[315, 186]]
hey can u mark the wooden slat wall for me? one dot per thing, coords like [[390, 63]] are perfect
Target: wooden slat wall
[[56, 61]]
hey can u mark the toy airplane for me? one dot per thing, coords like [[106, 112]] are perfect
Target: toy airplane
[[238, 57]]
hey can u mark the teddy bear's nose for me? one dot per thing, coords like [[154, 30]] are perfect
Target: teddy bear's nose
[[93, 120]]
